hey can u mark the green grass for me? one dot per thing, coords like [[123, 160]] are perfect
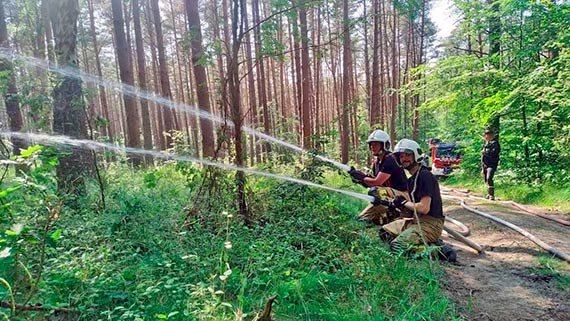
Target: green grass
[[136, 260], [556, 271], [546, 195]]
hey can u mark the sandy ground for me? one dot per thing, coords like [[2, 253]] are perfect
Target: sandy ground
[[504, 283]]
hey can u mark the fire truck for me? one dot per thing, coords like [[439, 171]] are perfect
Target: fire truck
[[444, 157]]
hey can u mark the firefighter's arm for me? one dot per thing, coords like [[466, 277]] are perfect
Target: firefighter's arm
[[421, 207], [380, 179]]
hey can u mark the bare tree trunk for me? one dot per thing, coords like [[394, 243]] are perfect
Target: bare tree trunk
[[69, 110], [376, 98], [255, 155], [163, 72], [416, 97], [395, 76], [307, 86], [11, 92], [235, 103], [260, 70], [367, 82], [385, 80], [200, 76], [147, 132], [127, 77], [105, 130], [46, 14], [346, 95]]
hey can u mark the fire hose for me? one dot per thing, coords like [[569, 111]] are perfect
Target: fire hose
[[531, 237], [514, 204]]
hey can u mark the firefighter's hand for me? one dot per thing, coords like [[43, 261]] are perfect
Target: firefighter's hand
[[357, 176], [398, 202], [377, 199]]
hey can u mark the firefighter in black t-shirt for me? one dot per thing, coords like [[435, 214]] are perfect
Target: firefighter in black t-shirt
[[424, 210], [490, 161], [387, 175]]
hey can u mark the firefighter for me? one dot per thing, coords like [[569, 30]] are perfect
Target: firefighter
[[490, 161], [387, 175], [423, 211]]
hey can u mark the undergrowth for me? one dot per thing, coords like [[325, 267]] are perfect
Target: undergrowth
[[546, 194], [170, 246]]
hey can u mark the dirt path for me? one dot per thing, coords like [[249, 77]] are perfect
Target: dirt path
[[504, 283]]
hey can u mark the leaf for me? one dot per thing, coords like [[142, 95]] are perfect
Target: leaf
[[56, 235], [30, 151], [5, 253], [173, 313], [17, 228]]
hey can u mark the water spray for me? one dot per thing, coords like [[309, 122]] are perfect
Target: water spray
[[137, 92], [97, 146]]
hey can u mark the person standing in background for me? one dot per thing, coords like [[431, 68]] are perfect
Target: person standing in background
[[490, 161]]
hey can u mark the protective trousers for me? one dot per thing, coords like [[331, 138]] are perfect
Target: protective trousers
[[380, 215], [410, 232]]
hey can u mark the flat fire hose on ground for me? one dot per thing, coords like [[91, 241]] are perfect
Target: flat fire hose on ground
[[456, 235], [531, 237], [464, 229], [511, 203]]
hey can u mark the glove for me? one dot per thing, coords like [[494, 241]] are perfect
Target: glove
[[357, 176], [398, 202], [377, 199]]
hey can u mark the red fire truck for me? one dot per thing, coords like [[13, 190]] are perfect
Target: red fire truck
[[444, 157]]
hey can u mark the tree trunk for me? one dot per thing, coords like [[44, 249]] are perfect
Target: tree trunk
[[307, 86], [147, 131], [167, 114], [69, 109], [127, 77], [235, 105], [255, 155], [198, 60], [260, 70], [11, 92], [346, 95], [106, 128], [158, 122], [376, 98]]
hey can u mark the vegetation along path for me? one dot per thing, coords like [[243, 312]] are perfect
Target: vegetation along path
[[514, 279]]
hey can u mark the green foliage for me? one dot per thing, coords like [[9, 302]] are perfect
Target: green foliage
[[140, 259], [545, 194], [553, 269], [524, 96]]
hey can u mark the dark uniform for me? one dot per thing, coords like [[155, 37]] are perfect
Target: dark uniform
[[423, 183], [489, 163], [395, 185]]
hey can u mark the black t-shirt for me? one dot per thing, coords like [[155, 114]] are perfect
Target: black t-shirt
[[389, 165], [426, 186]]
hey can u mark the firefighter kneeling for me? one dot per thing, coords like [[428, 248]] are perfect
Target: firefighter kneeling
[[422, 214]]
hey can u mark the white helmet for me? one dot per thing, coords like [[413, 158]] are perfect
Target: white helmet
[[380, 136], [409, 146]]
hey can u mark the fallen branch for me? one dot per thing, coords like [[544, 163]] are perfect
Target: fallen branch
[[266, 315]]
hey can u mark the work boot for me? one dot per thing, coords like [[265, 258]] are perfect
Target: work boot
[[384, 235], [448, 253], [491, 193]]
